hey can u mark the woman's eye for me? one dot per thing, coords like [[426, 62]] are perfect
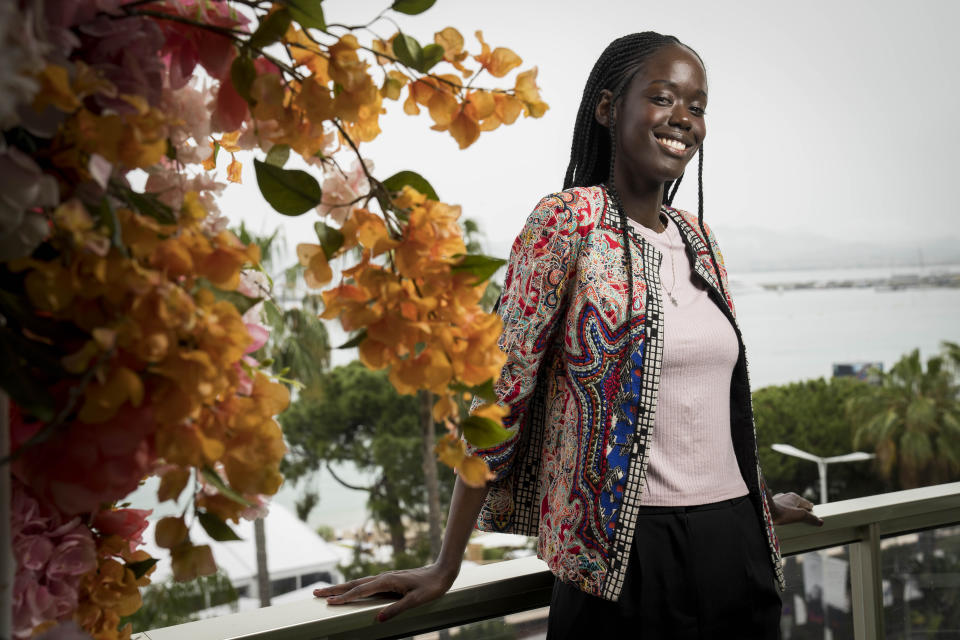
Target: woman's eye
[[700, 111], [661, 99]]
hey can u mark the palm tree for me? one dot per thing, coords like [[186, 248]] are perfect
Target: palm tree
[[912, 419]]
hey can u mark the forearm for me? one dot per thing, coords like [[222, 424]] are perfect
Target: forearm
[[465, 506]]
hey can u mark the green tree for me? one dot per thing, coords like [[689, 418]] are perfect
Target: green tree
[[168, 603], [810, 416], [357, 416], [912, 419]]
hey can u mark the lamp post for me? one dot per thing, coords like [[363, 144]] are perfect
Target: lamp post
[[822, 462]]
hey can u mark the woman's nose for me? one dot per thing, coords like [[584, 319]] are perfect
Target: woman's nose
[[679, 117]]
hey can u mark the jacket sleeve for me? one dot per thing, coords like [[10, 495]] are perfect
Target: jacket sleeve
[[542, 263]]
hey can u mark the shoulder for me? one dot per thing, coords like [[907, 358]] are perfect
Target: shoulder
[[693, 225], [571, 211]]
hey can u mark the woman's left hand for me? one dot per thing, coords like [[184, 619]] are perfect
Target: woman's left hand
[[789, 507]]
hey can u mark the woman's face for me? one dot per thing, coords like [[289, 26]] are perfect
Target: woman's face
[[660, 120]]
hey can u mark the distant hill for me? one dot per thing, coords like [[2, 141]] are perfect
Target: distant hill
[[753, 249]]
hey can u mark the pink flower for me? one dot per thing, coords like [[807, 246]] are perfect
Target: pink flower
[[52, 555], [26, 190], [83, 468], [129, 524], [340, 190], [260, 334], [186, 45]]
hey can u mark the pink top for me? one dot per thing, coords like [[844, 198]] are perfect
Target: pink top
[[691, 455]]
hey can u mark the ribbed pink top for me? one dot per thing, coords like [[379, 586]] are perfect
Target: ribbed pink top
[[691, 455]]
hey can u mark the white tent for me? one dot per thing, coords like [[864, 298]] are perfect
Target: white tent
[[296, 555]]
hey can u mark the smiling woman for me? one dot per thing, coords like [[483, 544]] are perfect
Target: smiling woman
[[632, 454]]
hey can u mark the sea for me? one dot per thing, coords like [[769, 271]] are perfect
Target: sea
[[790, 334]]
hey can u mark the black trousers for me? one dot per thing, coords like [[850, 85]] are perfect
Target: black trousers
[[700, 572]]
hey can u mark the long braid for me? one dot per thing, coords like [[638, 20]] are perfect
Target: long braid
[[703, 230]]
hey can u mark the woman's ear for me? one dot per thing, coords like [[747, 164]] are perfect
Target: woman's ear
[[604, 105]]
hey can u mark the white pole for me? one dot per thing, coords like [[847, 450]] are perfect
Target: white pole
[[822, 466], [6, 549]]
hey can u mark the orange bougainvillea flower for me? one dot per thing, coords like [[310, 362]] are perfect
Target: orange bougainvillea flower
[[189, 562], [103, 399], [317, 272], [528, 93], [451, 451], [498, 62], [452, 43]]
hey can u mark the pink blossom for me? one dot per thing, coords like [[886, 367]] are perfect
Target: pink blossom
[[171, 185], [82, 467], [127, 53], [26, 189], [231, 110], [190, 135], [253, 284], [52, 553], [185, 45], [342, 189], [129, 524]]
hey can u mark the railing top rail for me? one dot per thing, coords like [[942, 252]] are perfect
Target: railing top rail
[[517, 585]]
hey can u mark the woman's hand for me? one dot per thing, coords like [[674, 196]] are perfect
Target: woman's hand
[[789, 507], [416, 586]]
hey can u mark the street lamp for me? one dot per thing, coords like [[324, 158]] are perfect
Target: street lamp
[[822, 462]]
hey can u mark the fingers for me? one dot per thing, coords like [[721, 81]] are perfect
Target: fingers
[[338, 589], [380, 584], [412, 599]]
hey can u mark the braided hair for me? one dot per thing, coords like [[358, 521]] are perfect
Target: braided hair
[[592, 152]]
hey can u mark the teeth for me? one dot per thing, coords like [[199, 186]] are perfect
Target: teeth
[[673, 144]]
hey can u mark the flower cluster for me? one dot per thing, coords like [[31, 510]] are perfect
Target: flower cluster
[[419, 313], [131, 316]]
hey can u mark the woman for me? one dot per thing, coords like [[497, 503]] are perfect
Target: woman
[[633, 457]]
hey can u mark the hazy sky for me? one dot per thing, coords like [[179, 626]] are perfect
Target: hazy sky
[[837, 118]]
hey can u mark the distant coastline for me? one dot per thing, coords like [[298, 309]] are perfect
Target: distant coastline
[[888, 283]]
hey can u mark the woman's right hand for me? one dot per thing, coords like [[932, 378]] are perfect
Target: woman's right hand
[[415, 586]]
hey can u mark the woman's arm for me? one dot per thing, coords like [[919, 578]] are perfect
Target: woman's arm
[[419, 586]]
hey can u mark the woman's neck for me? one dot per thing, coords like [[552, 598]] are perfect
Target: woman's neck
[[641, 202]]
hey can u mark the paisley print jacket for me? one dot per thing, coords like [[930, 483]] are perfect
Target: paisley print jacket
[[580, 384]]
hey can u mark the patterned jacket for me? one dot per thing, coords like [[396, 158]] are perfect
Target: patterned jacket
[[581, 388]]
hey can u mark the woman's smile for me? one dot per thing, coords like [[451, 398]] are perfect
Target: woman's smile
[[673, 147]]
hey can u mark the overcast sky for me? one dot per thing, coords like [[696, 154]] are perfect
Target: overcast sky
[[836, 118]]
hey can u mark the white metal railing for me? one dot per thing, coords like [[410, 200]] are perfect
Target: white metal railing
[[518, 585]]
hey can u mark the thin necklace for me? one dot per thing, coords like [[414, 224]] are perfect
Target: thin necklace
[[673, 269]]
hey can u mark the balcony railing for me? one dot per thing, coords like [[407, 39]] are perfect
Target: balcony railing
[[518, 585]]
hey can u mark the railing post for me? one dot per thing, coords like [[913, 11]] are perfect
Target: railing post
[[866, 587]]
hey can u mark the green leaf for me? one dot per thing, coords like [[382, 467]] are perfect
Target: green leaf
[[484, 390], [412, 7], [214, 478], [478, 265], [432, 54], [270, 30], [237, 299], [483, 432], [408, 51], [290, 191], [216, 150], [330, 238], [140, 568], [148, 204], [278, 155], [308, 13], [274, 315], [108, 217], [215, 527], [355, 340], [398, 181], [242, 75]]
